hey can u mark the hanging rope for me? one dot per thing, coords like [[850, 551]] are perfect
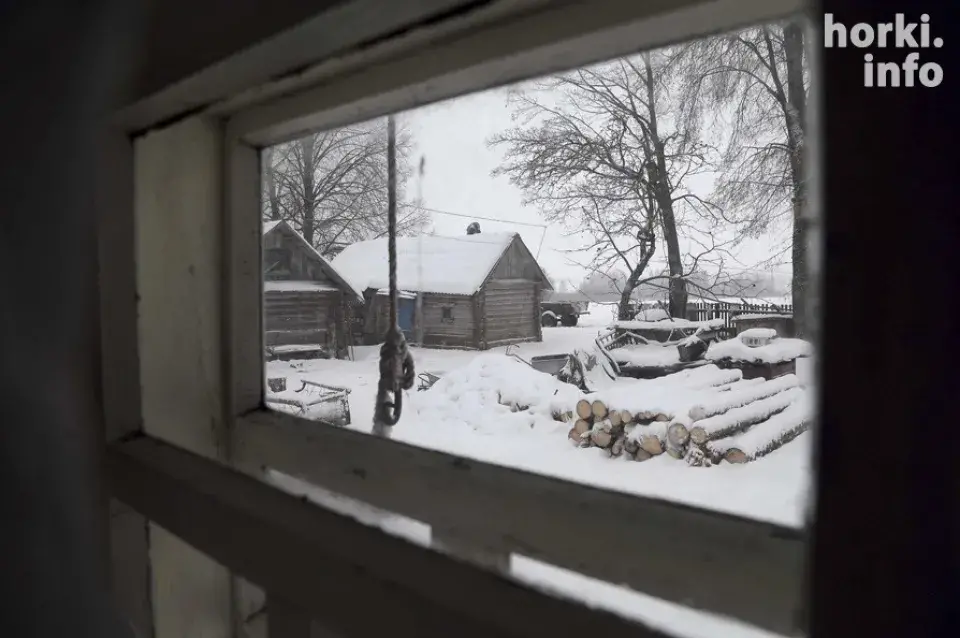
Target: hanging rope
[[396, 363]]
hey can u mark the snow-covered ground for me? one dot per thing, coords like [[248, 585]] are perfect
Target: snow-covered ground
[[462, 414]]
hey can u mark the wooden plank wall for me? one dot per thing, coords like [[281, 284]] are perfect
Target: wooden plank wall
[[460, 332], [303, 267], [509, 308], [299, 317], [516, 263]]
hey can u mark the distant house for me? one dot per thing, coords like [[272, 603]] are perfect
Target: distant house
[[307, 303], [475, 291]]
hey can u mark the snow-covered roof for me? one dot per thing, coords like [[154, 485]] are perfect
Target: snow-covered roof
[[268, 226], [297, 286], [328, 267], [429, 263]]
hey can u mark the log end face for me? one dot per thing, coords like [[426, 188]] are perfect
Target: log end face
[[735, 456]]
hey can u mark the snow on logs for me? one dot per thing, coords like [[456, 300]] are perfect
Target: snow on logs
[[731, 419], [766, 436], [743, 396], [738, 419]]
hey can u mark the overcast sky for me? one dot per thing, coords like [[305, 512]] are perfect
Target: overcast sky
[[452, 137]]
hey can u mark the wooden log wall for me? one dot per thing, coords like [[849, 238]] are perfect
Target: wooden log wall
[[509, 308]]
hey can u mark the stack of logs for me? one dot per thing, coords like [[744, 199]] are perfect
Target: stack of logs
[[737, 426]]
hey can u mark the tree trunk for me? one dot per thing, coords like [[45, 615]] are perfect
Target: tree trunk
[[623, 307], [664, 198], [308, 226], [677, 289], [273, 200], [795, 113]]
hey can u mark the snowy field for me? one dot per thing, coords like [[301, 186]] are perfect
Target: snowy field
[[462, 414]]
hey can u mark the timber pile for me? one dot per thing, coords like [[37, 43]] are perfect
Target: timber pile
[[728, 419]]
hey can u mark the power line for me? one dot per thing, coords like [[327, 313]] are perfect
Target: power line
[[543, 236], [486, 219], [542, 227]]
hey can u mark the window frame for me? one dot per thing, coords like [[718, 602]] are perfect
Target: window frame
[[404, 76], [541, 517]]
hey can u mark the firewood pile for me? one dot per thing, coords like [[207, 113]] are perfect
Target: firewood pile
[[714, 415]]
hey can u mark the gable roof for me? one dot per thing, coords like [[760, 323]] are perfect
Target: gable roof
[[429, 263], [327, 267]]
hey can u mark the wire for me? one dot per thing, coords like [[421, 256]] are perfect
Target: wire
[[486, 219]]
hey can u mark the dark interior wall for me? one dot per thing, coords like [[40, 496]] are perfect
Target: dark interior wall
[[188, 54], [208, 31]]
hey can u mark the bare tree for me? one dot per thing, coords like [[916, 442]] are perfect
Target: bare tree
[[332, 185], [759, 79], [703, 269], [601, 150]]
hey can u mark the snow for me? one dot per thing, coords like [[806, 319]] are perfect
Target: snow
[[643, 355], [672, 395], [759, 436], [671, 324], [442, 265], [761, 316], [739, 398], [544, 448], [758, 333], [297, 286], [462, 415], [775, 352], [652, 314], [750, 413], [402, 294], [293, 347], [268, 226]]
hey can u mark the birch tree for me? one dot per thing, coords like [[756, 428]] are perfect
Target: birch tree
[[758, 79]]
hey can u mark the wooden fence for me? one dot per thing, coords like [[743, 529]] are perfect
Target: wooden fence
[[702, 311]]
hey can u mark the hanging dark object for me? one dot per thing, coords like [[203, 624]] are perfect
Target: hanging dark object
[[647, 241], [396, 363], [473, 228]]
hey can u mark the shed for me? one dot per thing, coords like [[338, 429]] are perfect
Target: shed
[[307, 304], [474, 291]]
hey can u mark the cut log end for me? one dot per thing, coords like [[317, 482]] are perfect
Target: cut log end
[[584, 410], [678, 434], [618, 447], [733, 455], [652, 445], [642, 455], [599, 409], [582, 426], [601, 438], [698, 435], [675, 451]]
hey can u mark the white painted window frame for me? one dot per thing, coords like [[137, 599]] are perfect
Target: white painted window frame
[[745, 569]]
